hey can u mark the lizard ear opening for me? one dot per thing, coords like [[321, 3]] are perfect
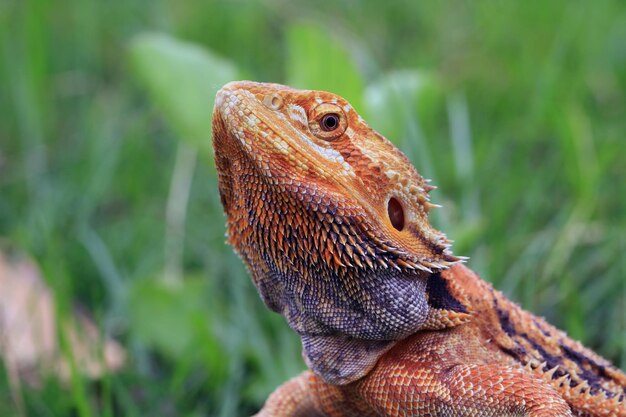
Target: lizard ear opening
[[395, 211]]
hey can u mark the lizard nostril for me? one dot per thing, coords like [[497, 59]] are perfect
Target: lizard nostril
[[273, 101], [396, 213]]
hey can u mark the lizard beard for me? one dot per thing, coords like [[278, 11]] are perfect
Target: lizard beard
[[297, 258], [347, 316], [320, 269]]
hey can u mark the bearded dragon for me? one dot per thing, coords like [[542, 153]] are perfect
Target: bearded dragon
[[331, 220]]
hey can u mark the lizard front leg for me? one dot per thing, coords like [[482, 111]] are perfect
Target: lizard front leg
[[295, 398], [307, 395], [427, 389]]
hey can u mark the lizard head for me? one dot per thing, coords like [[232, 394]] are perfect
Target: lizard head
[[316, 149]]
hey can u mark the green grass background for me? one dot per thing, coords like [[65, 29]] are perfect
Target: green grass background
[[517, 110]]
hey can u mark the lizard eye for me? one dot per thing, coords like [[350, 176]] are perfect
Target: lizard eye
[[330, 122], [327, 121]]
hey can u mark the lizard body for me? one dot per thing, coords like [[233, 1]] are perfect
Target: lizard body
[[331, 220]]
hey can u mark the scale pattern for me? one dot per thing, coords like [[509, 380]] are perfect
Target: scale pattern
[[331, 220]]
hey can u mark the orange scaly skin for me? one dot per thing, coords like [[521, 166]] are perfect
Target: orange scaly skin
[[332, 222]]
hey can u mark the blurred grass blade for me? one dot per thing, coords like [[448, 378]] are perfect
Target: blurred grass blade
[[175, 320], [398, 98], [397, 104], [30, 321], [317, 61], [182, 79]]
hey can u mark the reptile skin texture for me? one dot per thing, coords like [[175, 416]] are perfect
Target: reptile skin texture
[[331, 220]]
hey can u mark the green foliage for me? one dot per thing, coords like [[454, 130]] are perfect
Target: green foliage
[[318, 61], [393, 101], [162, 62], [515, 109], [174, 319]]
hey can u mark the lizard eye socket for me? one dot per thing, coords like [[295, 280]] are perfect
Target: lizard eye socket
[[327, 121]]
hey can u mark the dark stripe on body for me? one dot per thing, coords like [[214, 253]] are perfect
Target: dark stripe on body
[[587, 369], [440, 297]]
